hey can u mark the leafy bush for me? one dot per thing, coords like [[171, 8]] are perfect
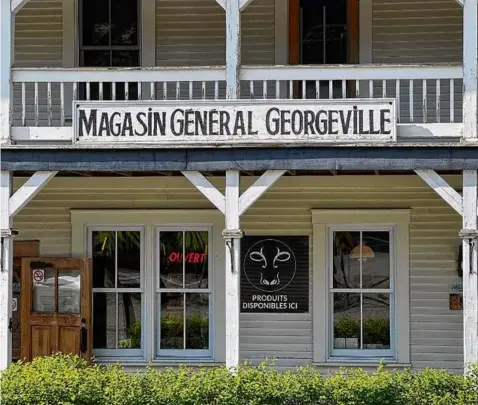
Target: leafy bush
[[64, 379]]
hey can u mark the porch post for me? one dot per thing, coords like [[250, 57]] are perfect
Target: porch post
[[6, 52], [470, 70], [233, 49], [6, 270], [469, 234]]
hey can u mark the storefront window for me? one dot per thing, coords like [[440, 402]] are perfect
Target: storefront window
[[361, 292], [183, 292], [117, 291]]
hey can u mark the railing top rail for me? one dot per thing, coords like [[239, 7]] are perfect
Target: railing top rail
[[353, 72], [125, 74]]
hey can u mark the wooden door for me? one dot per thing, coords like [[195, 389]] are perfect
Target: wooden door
[[56, 307]]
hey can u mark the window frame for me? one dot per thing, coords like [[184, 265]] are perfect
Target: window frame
[[322, 221], [183, 353], [361, 353], [117, 352]]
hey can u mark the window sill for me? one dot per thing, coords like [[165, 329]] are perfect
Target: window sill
[[361, 363], [158, 362]]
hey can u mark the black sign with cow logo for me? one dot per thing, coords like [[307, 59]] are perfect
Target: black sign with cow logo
[[275, 274]]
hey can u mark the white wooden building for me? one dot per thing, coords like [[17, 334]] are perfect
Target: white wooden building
[[243, 179]]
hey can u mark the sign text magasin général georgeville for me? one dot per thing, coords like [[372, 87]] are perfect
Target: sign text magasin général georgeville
[[184, 123], [275, 274]]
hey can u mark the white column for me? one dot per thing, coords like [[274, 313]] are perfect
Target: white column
[[470, 266], [470, 69], [6, 51], [233, 49], [6, 271], [232, 235]]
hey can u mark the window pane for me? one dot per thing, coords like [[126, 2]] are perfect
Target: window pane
[[171, 259], [124, 21], [96, 59], [346, 264], [129, 320], [126, 58], [172, 321], [197, 321], [43, 288], [103, 259], [376, 321], [95, 22], [104, 320], [346, 321], [129, 258], [376, 260], [69, 283], [196, 260]]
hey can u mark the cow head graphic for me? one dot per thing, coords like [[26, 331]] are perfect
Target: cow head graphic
[[269, 265]]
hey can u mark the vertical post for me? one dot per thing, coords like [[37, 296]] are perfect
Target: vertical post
[[232, 235], [470, 69], [233, 49], [6, 51], [470, 266], [6, 270]]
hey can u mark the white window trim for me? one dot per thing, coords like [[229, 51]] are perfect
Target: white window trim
[[322, 220], [150, 219]]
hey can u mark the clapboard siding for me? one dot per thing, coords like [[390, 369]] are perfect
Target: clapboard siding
[[436, 332]]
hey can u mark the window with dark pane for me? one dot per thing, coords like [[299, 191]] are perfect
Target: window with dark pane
[[109, 38], [117, 288], [361, 292], [183, 290]]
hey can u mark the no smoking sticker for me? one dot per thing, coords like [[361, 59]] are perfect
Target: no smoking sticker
[[38, 275], [14, 305]]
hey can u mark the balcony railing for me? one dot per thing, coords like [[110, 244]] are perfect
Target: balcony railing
[[424, 94]]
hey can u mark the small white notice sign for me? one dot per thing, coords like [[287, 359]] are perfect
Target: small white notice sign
[[14, 305], [242, 122], [38, 276]]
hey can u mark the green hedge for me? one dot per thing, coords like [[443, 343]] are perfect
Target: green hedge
[[68, 380]]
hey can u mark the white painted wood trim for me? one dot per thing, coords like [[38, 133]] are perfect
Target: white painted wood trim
[[443, 189], [7, 29], [17, 5], [69, 48], [260, 186], [233, 49], [470, 69], [281, 32], [244, 4], [321, 219], [232, 269], [29, 190], [222, 3], [207, 189], [460, 2], [6, 271], [470, 268], [365, 32], [148, 33]]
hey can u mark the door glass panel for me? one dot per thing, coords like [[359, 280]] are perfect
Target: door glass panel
[[172, 321], [197, 321], [103, 259], [195, 259], [129, 320], [104, 320], [43, 281], [346, 266], [129, 259], [376, 260], [69, 283], [171, 259]]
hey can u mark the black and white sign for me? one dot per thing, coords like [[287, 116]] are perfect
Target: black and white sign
[[214, 122], [275, 274]]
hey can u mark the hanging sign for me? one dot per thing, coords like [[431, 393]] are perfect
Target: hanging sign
[[275, 274], [225, 122], [38, 276]]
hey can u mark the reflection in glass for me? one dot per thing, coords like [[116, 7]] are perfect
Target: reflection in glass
[[172, 321], [197, 321], [346, 269], [129, 258], [376, 321], [171, 259], [346, 320], [43, 280], [104, 320], [376, 269], [69, 283], [124, 17], [95, 25], [103, 259], [196, 259], [129, 320]]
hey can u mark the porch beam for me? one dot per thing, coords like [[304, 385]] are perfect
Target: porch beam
[[6, 58], [260, 186], [442, 188], [470, 70], [6, 270], [207, 189], [17, 5], [470, 266], [29, 190], [460, 2]]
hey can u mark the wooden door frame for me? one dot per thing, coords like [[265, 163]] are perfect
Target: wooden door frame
[[353, 15]]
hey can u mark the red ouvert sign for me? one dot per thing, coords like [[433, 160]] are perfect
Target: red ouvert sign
[[191, 257]]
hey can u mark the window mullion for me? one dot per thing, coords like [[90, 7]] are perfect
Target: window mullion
[[117, 320], [184, 321]]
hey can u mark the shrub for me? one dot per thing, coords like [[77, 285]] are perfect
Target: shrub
[[66, 379]]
